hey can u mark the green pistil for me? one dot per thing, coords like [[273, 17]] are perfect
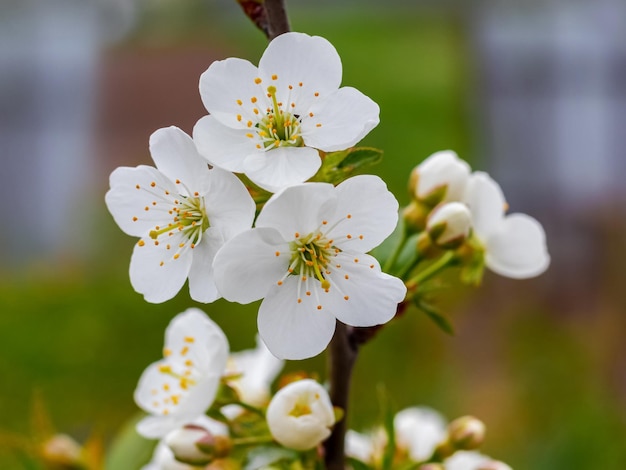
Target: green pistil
[[278, 128], [190, 216], [310, 257]]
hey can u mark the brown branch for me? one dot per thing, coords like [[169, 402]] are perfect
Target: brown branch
[[278, 21], [342, 354]]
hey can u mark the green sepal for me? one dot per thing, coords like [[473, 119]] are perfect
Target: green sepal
[[472, 256], [431, 312], [338, 166]]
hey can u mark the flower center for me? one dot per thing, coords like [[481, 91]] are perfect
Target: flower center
[[310, 256], [190, 219], [279, 128]]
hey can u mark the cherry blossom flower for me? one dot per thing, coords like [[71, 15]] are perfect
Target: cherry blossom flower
[[306, 257], [300, 415], [183, 213], [180, 387], [442, 177], [269, 122], [449, 224], [418, 431], [514, 244], [255, 370], [469, 460]]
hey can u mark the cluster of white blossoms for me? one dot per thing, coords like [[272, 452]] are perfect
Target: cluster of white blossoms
[[306, 255], [512, 245], [302, 250], [422, 434]]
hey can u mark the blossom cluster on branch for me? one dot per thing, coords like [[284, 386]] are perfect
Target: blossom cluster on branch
[[266, 202]]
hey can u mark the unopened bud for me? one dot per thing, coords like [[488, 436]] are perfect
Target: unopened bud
[[466, 433], [194, 445], [494, 465], [432, 466], [441, 177], [62, 451], [449, 224], [414, 216]]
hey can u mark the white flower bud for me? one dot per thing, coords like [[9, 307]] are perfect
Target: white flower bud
[[449, 224], [300, 415], [494, 465], [193, 444], [466, 433], [441, 177], [62, 451]]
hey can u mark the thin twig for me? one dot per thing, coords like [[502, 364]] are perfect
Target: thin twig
[[277, 19], [342, 354]]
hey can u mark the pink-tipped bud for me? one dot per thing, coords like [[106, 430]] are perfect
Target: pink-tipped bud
[[62, 451], [466, 433], [494, 465], [194, 445]]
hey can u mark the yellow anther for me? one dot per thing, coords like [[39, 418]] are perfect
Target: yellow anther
[[189, 339], [257, 80], [253, 99], [164, 368], [274, 77], [135, 219], [239, 117], [177, 255], [141, 243], [167, 352], [239, 102]]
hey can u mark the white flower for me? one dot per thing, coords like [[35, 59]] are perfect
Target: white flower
[[368, 448], [269, 122], [182, 386], [441, 177], [468, 460], [183, 213], [256, 369], [449, 224], [514, 244], [306, 256], [163, 457], [300, 415], [418, 431]]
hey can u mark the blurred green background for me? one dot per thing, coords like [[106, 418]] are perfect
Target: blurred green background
[[540, 361]]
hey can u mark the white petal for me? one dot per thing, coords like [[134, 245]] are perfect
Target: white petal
[[127, 203], [419, 430], [518, 249], [373, 212], [222, 146], [372, 296], [299, 209], [310, 64], [226, 83], [202, 340], [229, 206], [154, 427], [466, 460], [293, 330], [486, 202], [282, 167], [155, 273], [340, 121], [175, 155], [440, 169], [202, 286], [247, 265]]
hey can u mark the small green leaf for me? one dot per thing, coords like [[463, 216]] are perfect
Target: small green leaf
[[432, 313], [357, 464], [338, 166], [260, 457]]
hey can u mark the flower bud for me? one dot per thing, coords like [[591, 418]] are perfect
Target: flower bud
[[62, 451], [300, 415], [494, 465], [449, 224], [441, 177], [195, 445], [432, 466], [466, 433]]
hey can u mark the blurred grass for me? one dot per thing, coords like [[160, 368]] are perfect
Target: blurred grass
[[77, 332]]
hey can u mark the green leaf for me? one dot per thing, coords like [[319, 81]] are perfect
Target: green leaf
[[338, 166], [388, 415], [260, 457], [129, 449], [357, 464], [432, 313]]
